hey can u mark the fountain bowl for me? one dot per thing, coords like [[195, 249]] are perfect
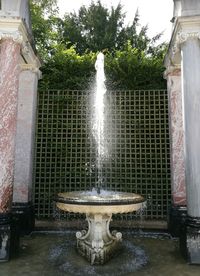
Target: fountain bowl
[[90, 202], [97, 244]]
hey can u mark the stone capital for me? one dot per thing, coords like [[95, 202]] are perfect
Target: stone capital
[[185, 28], [172, 70], [14, 28], [16, 36], [182, 37], [29, 55], [32, 68]]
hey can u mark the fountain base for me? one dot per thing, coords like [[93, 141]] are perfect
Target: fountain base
[[97, 244]]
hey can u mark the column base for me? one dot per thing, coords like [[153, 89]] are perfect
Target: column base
[[9, 237], [25, 214], [190, 240], [176, 219]]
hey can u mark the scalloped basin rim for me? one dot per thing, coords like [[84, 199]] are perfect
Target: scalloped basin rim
[[100, 209], [105, 198]]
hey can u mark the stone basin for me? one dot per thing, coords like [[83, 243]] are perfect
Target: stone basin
[[97, 244], [106, 202]]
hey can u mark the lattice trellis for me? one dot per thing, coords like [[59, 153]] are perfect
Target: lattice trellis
[[137, 138]]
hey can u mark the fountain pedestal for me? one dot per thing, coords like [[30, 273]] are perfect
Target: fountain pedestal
[[98, 244]]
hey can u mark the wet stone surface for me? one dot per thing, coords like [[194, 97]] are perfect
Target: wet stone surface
[[129, 259], [55, 254]]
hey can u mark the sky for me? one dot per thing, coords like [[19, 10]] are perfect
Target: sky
[[156, 13]]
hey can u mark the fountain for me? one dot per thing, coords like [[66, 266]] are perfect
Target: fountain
[[98, 244]]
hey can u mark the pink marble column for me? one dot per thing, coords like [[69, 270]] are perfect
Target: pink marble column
[[176, 138], [9, 77]]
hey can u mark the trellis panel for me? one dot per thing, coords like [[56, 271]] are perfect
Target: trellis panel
[[137, 137]]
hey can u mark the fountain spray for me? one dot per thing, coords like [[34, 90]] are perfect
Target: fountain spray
[[98, 244], [98, 128]]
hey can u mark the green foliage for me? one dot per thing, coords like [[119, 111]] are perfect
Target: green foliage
[[93, 28], [127, 69], [67, 69], [133, 69], [44, 27], [46, 6], [69, 46]]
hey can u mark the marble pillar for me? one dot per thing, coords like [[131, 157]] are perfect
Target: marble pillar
[[191, 89], [23, 175], [177, 212], [190, 50], [9, 78], [184, 50]]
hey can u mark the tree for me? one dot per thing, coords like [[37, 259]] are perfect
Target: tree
[[44, 21], [133, 69], [96, 28], [67, 69], [46, 6], [69, 46]]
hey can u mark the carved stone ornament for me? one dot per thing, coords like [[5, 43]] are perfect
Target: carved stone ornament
[[183, 36], [26, 48], [171, 69], [31, 67], [98, 244], [16, 36]]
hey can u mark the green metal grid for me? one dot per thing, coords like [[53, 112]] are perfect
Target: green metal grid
[[137, 135]]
